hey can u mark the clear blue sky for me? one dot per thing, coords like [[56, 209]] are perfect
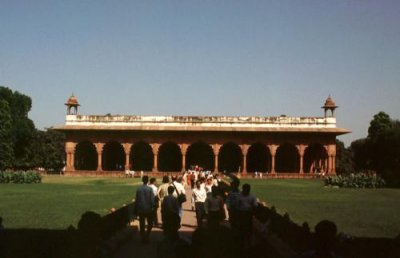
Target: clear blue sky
[[261, 58]]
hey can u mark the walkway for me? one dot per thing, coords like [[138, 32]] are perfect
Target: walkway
[[134, 247]]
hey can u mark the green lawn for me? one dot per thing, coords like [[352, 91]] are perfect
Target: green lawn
[[59, 202], [359, 212]]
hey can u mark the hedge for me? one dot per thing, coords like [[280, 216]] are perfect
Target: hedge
[[20, 177], [360, 180]]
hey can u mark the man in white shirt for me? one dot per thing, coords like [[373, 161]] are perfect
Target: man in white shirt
[[199, 196], [178, 190]]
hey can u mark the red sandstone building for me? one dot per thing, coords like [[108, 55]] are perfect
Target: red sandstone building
[[281, 146]]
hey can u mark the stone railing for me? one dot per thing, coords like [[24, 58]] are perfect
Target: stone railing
[[210, 121]]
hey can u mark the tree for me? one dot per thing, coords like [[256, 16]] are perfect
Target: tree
[[387, 153], [6, 145], [22, 131], [380, 151], [379, 124], [49, 148], [344, 161], [361, 152]]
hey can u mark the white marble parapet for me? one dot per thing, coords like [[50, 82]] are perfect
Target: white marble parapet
[[125, 121]]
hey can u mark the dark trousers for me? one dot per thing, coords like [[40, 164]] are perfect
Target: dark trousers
[[200, 212], [142, 217], [234, 219], [155, 216], [246, 227]]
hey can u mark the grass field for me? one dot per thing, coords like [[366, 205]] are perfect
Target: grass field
[[59, 202], [358, 212]]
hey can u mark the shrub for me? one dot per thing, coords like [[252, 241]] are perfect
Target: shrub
[[359, 180], [20, 177]]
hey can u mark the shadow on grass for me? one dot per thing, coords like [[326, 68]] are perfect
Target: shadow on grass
[[90, 239], [93, 237], [300, 238]]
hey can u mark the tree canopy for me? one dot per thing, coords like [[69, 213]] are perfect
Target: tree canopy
[[380, 151], [21, 145]]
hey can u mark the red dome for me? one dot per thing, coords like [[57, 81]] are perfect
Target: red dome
[[72, 101]]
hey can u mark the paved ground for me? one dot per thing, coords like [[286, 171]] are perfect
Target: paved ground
[[134, 248]]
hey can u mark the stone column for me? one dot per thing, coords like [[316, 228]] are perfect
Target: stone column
[[183, 147], [216, 148], [155, 147], [127, 149], [99, 149], [245, 149], [70, 152], [332, 159], [272, 150], [301, 148]]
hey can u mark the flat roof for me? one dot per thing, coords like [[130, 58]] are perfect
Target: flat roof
[[279, 124]]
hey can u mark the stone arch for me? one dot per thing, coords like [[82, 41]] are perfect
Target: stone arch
[[315, 158], [141, 157], [169, 157], [200, 153], [85, 156], [287, 159], [113, 157], [258, 158], [230, 158]]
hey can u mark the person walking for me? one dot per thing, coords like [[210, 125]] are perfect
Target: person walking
[[170, 214], [214, 208], [179, 189], [144, 204], [232, 204], [163, 189], [246, 205], [156, 200], [199, 196]]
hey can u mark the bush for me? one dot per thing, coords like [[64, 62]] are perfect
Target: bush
[[360, 180], [20, 177]]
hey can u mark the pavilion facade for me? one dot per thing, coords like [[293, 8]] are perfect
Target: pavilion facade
[[290, 146]]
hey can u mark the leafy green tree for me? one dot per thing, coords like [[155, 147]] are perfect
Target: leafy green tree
[[49, 147], [344, 161], [361, 152], [22, 132], [379, 124], [6, 145], [387, 153], [380, 151]]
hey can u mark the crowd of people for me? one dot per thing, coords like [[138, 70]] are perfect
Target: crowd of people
[[209, 196]]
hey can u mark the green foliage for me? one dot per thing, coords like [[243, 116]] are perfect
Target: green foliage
[[49, 148], [20, 177], [362, 154], [380, 151], [379, 124], [359, 180], [344, 161], [6, 145], [20, 130]]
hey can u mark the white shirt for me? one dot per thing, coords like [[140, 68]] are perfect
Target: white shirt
[[179, 187], [154, 189], [199, 195]]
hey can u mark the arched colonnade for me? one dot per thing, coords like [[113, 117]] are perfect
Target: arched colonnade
[[226, 157]]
